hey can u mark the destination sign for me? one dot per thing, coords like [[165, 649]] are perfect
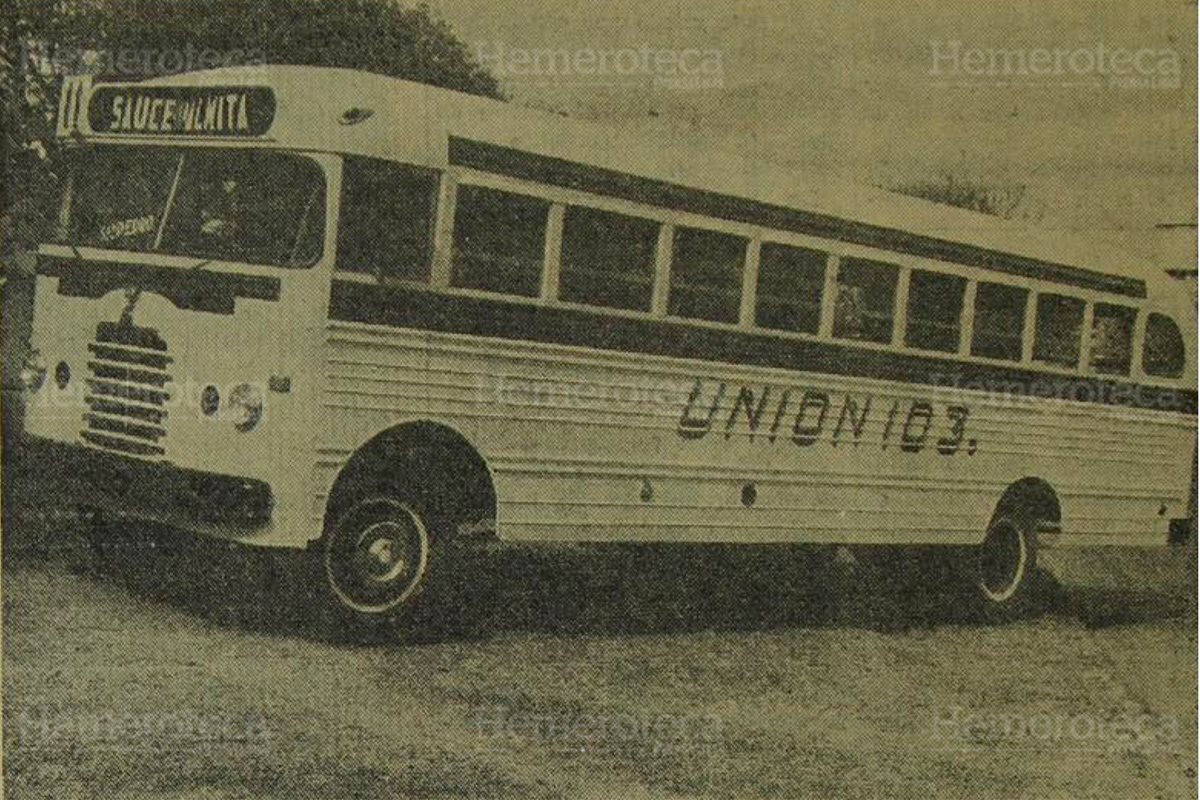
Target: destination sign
[[182, 110]]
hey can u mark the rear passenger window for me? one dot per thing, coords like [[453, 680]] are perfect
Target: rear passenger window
[[387, 219], [1059, 330], [1112, 339], [607, 259], [499, 241], [999, 321], [706, 275], [1163, 353], [866, 300], [935, 304], [790, 283]]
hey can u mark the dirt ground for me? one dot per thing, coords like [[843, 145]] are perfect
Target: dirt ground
[[180, 671]]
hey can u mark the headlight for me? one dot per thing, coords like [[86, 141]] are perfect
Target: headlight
[[245, 406], [33, 371]]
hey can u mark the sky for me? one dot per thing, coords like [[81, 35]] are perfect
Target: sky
[[1088, 108]]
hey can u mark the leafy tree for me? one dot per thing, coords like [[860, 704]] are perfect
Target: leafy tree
[[1007, 202], [371, 35]]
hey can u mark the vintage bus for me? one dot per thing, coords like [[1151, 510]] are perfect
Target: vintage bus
[[388, 323]]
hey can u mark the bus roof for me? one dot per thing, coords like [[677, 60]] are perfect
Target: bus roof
[[416, 123]]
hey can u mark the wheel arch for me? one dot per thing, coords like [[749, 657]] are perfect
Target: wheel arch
[[471, 495], [1032, 499]]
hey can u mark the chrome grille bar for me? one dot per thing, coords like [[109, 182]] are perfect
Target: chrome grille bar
[[127, 390]]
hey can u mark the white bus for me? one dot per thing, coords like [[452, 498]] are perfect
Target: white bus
[[315, 308]]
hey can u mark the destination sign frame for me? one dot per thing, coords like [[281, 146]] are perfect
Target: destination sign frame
[[182, 111]]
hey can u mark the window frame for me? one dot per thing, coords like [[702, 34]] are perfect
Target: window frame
[[757, 277], [435, 207], [1136, 316], [1065, 299], [451, 235], [958, 318], [1149, 316], [657, 225], [875, 264], [756, 236], [1022, 340], [325, 166], [670, 268]]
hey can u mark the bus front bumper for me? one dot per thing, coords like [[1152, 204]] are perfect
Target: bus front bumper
[[75, 476]]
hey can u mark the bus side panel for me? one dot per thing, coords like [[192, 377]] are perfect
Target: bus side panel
[[590, 445]]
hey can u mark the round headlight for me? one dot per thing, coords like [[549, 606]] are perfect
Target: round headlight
[[33, 371], [62, 375], [245, 406]]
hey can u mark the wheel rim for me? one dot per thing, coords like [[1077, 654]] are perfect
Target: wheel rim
[[377, 556], [1003, 560]]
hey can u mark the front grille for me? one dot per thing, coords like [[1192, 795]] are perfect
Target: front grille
[[127, 390]]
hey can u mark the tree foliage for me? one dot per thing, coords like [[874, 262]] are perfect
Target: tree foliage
[[370, 35], [1007, 202]]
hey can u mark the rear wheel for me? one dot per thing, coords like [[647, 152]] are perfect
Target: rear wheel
[[1002, 569]]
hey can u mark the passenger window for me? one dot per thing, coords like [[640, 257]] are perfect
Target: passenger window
[[499, 241], [1163, 353], [1059, 330], [790, 283], [866, 300], [999, 321], [935, 304], [607, 259], [387, 219], [1112, 339], [706, 275]]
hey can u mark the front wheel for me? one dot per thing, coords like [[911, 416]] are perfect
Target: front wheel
[[377, 556], [393, 570]]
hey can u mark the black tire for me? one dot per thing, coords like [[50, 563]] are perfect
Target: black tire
[[392, 568], [1001, 572], [377, 555]]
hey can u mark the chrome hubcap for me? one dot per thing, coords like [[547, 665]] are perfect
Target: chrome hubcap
[[383, 550], [377, 555]]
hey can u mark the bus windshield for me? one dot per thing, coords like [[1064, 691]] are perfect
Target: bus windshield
[[255, 206]]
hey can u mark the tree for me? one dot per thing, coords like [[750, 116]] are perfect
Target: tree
[[1007, 202], [371, 35]]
